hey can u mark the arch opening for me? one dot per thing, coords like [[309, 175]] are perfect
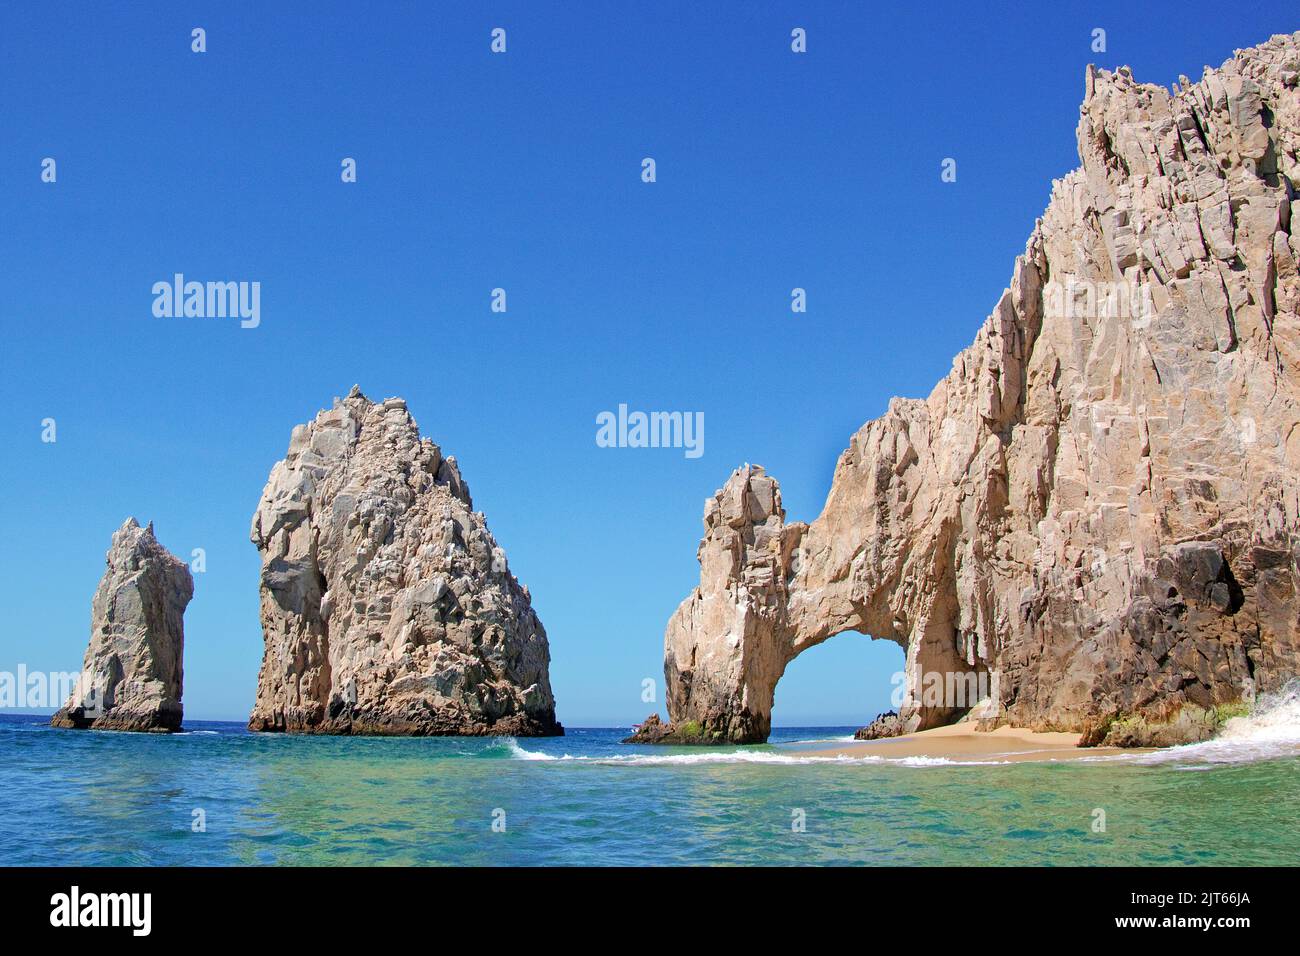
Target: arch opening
[[841, 683]]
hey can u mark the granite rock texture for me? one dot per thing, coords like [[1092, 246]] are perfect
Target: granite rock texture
[[1092, 520], [387, 606], [132, 676]]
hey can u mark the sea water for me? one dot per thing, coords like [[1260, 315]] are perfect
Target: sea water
[[217, 795]]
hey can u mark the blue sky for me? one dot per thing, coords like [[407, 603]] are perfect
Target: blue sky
[[520, 171]]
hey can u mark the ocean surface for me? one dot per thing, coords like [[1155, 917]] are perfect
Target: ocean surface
[[98, 798]]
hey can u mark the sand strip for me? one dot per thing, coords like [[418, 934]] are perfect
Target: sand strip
[[962, 744]]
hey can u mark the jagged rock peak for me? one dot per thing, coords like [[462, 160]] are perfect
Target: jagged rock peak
[[132, 675], [387, 605], [1093, 521]]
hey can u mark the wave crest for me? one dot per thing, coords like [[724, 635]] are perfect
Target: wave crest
[[1271, 730]]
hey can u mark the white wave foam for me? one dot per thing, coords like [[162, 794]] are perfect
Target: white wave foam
[[1275, 717], [519, 753], [1271, 730], [847, 739], [769, 757], [739, 757], [714, 757]]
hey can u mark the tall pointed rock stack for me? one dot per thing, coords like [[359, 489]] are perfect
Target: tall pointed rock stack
[[132, 675], [387, 606]]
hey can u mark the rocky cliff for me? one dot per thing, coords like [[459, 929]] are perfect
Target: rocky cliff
[[387, 606], [1091, 524], [131, 678]]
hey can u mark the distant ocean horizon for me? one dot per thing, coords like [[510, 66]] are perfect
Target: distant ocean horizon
[[217, 794]]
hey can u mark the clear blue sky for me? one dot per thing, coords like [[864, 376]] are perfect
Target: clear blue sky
[[521, 171]]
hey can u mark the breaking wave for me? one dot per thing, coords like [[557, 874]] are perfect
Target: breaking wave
[[739, 757], [519, 753], [1271, 730]]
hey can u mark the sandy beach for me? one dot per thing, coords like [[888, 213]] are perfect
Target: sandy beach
[[961, 744]]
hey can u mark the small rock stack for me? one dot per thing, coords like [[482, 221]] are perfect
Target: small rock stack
[[132, 675]]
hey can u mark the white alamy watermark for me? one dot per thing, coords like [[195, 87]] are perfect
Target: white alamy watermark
[[948, 689], [1082, 298], [33, 690], [128, 910], [208, 300], [651, 430]]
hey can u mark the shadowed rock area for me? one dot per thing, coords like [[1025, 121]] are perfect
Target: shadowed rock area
[[387, 606], [132, 675], [1094, 515]]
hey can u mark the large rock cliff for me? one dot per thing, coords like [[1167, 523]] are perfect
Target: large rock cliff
[[387, 606], [1094, 516], [132, 675]]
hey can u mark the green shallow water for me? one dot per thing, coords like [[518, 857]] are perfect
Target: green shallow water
[[103, 799]]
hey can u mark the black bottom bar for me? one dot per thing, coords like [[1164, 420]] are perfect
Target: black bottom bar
[[329, 906]]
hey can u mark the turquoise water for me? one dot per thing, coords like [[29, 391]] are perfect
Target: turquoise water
[[109, 798]]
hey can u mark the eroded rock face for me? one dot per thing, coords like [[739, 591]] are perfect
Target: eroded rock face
[[387, 606], [132, 676], [1094, 515]]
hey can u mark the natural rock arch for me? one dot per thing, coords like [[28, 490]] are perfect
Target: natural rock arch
[[1098, 506], [767, 594]]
